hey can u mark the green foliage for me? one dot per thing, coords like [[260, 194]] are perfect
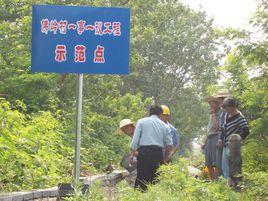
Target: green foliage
[[256, 185], [251, 92], [95, 192], [156, 35], [100, 129], [174, 52], [260, 19], [176, 184], [176, 44], [255, 156], [36, 91], [173, 60], [247, 68], [33, 154]]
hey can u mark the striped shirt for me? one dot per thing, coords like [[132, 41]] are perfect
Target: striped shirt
[[236, 124]]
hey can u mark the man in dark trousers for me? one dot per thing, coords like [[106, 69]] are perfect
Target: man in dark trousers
[[150, 137]]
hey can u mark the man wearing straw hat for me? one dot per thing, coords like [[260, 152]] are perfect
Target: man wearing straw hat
[[220, 96], [213, 134], [127, 127]]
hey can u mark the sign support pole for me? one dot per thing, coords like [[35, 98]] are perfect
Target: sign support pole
[[78, 127]]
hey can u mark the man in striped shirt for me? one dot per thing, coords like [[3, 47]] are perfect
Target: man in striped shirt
[[235, 123]]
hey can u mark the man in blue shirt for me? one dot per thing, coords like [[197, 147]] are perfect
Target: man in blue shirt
[[151, 136], [221, 151], [175, 136]]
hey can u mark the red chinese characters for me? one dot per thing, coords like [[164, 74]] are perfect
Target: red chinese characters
[[90, 27], [107, 29], [116, 28], [60, 53], [63, 26], [44, 26], [80, 26], [98, 28], [99, 55], [80, 53], [72, 26], [53, 26]]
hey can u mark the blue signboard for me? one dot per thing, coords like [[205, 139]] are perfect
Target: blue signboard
[[78, 39]]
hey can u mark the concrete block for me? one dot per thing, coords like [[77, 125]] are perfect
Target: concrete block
[[37, 194], [28, 196]]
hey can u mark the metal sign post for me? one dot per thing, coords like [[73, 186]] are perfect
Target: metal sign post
[[78, 127]]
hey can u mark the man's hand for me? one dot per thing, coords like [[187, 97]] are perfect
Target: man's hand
[[170, 158], [219, 144], [133, 159]]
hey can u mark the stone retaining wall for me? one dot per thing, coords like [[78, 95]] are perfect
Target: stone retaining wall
[[108, 180]]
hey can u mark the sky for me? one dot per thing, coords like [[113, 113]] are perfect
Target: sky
[[226, 13]]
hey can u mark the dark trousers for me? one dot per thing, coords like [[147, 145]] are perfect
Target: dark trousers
[[149, 159]]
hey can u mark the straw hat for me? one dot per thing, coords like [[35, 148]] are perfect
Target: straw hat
[[222, 93], [123, 123], [210, 99]]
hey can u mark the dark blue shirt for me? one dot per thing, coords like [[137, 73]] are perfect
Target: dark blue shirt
[[175, 135], [222, 122]]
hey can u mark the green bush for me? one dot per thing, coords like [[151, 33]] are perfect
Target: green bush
[[37, 149], [256, 185], [95, 192], [255, 156], [100, 145], [176, 184], [33, 154]]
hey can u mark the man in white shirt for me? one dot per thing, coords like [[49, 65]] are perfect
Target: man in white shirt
[[151, 136]]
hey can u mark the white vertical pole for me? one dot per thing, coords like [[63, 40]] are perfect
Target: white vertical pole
[[78, 127]]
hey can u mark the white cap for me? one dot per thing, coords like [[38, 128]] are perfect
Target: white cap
[[125, 122]]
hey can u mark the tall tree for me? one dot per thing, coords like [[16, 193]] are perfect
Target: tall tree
[[173, 59]]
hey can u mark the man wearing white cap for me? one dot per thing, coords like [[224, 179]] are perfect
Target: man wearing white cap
[[127, 127]]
